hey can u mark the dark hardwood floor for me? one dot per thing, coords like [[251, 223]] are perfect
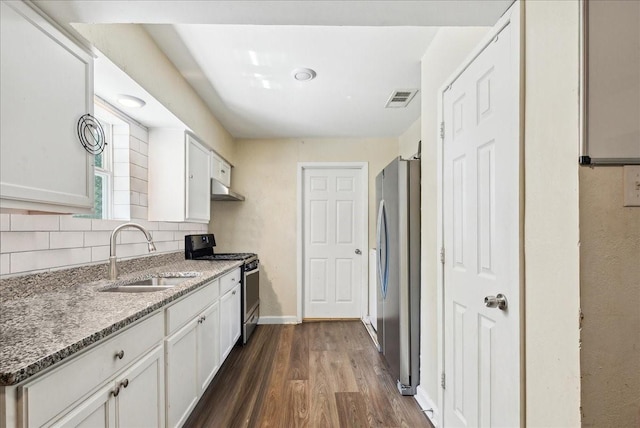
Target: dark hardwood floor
[[317, 374]]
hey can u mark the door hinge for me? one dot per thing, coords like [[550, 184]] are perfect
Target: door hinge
[[442, 255], [442, 381], [442, 130]]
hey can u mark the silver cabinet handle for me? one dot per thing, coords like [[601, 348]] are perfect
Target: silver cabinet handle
[[124, 383], [358, 251], [115, 391], [499, 301], [119, 355], [234, 292], [191, 176]]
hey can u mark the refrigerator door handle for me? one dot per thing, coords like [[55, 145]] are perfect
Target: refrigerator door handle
[[379, 248], [383, 274]]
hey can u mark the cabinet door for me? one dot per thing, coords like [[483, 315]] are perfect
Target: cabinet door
[[229, 321], [225, 173], [140, 401], [97, 411], [208, 345], [46, 85], [236, 319], [216, 167], [197, 181], [181, 373]]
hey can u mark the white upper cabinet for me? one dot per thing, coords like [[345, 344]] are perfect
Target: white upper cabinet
[[220, 169], [46, 86], [179, 171]]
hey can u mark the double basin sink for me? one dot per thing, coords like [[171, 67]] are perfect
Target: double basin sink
[[153, 283]]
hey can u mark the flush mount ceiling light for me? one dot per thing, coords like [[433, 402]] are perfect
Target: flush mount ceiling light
[[303, 74], [130, 101]]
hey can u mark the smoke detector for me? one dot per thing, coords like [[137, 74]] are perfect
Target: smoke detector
[[303, 74], [400, 98]]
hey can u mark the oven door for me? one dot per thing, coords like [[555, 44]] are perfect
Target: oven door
[[251, 292]]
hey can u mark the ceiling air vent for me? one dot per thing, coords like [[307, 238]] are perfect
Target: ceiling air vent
[[401, 98]]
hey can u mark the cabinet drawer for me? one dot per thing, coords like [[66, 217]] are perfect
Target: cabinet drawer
[[230, 280], [183, 311], [46, 396]]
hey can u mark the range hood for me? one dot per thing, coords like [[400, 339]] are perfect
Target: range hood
[[220, 192]]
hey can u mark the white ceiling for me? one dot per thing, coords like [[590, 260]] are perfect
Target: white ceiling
[[239, 56]]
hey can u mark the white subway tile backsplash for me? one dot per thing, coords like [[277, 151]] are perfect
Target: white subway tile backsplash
[[139, 172], [132, 236], [143, 148], [168, 246], [134, 144], [121, 197], [5, 264], [66, 240], [12, 242], [121, 155], [121, 129], [134, 198], [138, 132], [131, 250], [139, 159], [162, 235], [138, 212], [68, 222], [120, 169], [164, 225], [95, 239], [46, 259], [120, 141], [4, 222], [144, 200], [100, 254], [99, 224], [121, 183], [138, 185], [122, 212], [29, 223]]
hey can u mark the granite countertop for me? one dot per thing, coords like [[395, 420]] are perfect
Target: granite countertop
[[46, 318]]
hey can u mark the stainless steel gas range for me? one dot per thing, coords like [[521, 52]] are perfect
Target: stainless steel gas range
[[200, 247]]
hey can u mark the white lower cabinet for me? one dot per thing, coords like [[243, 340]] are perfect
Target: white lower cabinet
[[182, 379], [149, 375], [134, 399], [229, 321], [208, 346]]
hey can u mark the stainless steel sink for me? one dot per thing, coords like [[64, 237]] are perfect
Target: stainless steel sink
[[151, 284]]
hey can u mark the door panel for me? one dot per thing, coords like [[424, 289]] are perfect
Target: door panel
[[481, 216], [333, 212]]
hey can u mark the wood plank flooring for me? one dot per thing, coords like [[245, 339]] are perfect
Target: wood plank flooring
[[317, 374]]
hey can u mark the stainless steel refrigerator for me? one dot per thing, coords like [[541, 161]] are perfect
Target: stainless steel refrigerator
[[398, 266]]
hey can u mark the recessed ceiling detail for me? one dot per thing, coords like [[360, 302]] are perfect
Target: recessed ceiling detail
[[401, 98]]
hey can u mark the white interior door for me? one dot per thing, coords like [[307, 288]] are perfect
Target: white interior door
[[333, 242], [481, 219]]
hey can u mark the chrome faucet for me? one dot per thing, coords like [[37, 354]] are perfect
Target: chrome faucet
[[113, 268]]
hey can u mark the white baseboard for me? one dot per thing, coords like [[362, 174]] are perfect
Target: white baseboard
[[278, 320], [427, 405]]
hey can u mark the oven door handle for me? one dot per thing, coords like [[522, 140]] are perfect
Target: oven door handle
[[251, 272]]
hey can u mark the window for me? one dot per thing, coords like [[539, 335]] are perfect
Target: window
[[103, 171]]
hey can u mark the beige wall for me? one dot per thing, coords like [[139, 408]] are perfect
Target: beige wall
[[552, 277], [265, 223], [444, 55], [408, 141], [131, 48], [610, 301]]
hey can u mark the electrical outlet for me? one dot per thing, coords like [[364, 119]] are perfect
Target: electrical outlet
[[631, 185]]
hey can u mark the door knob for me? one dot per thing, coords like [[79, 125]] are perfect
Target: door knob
[[499, 301], [358, 251]]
